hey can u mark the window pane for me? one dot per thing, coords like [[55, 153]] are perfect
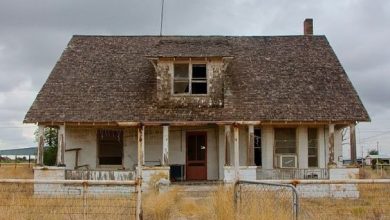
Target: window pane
[[257, 150], [199, 88], [191, 149], [180, 87], [199, 71], [313, 147], [181, 70], [201, 147], [285, 141]]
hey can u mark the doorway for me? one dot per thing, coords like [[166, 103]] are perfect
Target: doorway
[[196, 156]]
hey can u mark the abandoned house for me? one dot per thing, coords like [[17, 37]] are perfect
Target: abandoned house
[[198, 108]]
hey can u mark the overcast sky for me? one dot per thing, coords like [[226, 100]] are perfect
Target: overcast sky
[[34, 33]]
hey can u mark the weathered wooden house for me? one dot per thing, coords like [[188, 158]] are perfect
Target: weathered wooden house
[[201, 107]]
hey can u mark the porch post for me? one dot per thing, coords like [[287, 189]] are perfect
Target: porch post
[[236, 153], [165, 152], [41, 143], [227, 145], [141, 159], [303, 147], [251, 146], [61, 146], [352, 141], [331, 145]]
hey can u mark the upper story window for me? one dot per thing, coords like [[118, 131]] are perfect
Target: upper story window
[[190, 78]]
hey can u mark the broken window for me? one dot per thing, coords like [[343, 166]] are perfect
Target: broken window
[[285, 141], [110, 147], [190, 78], [313, 147], [258, 152]]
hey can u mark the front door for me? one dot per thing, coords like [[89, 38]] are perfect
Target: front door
[[196, 167]]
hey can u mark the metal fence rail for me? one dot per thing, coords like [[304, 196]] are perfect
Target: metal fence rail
[[67, 199], [269, 197]]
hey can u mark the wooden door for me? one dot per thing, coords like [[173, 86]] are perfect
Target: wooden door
[[196, 156]]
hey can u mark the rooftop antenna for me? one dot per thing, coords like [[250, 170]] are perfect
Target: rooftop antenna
[[162, 17]]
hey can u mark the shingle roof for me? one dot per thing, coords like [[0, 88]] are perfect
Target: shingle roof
[[109, 78]]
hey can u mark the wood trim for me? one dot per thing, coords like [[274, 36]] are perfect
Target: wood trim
[[188, 133]]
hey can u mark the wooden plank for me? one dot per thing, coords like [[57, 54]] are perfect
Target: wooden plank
[[165, 153], [227, 145], [141, 162], [41, 143], [61, 146], [251, 146], [352, 141], [331, 145], [236, 153]]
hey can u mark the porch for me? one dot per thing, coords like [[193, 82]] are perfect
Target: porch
[[198, 151]]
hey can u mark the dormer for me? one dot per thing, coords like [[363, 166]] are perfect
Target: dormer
[[190, 81], [190, 70]]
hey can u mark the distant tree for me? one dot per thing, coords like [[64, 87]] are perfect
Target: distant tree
[[51, 142], [373, 152]]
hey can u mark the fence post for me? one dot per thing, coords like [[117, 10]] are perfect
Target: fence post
[[85, 207], [295, 203]]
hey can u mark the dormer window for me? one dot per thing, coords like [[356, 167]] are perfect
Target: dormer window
[[190, 79]]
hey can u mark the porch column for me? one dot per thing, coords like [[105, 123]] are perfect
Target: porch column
[[141, 160], [251, 146], [267, 157], [303, 147], [165, 152], [227, 145], [236, 153], [61, 146], [331, 145], [41, 143], [352, 141]]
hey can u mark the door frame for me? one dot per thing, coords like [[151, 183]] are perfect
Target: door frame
[[188, 133]]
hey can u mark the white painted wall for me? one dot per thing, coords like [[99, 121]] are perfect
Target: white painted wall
[[85, 138], [267, 138], [302, 147]]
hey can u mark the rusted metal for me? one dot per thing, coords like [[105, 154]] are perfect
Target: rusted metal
[[78, 182], [341, 181]]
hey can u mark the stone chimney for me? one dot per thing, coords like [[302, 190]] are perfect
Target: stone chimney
[[308, 26]]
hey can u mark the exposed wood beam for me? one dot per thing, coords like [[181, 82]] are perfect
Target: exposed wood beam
[[331, 145], [236, 153], [227, 145], [41, 144], [352, 141]]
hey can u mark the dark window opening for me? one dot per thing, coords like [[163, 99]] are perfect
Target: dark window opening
[[110, 147], [258, 151], [313, 147], [190, 78]]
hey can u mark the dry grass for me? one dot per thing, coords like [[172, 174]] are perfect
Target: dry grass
[[21, 171], [19, 202]]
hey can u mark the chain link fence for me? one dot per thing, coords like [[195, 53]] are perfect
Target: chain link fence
[[372, 201], [279, 201], [68, 199]]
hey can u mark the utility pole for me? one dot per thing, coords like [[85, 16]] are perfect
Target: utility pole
[[162, 17]]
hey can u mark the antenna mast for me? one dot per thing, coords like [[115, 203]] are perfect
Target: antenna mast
[[162, 17]]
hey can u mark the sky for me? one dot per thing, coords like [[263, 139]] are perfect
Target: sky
[[33, 35]]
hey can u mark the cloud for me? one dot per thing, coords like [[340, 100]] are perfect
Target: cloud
[[34, 33]]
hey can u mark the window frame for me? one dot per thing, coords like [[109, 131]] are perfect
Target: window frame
[[316, 147], [190, 65], [113, 166]]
